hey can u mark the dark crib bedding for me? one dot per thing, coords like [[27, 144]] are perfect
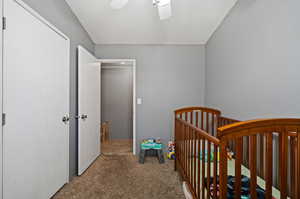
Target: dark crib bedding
[[245, 189]]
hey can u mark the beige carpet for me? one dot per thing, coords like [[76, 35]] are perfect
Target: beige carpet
[[122, 177], [117, 147]]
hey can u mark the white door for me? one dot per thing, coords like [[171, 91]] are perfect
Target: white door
[[36, 97], [89, 74]]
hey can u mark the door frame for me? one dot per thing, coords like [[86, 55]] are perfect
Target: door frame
[[133, 61]]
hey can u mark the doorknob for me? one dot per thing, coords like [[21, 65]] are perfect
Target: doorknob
[[66, 119], [84, 117]]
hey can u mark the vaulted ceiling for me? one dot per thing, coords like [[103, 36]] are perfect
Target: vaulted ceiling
[[193, 21]]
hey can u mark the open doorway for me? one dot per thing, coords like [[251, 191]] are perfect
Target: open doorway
[[118, 107]]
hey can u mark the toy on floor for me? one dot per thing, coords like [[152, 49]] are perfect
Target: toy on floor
[[171, 150], [151, 146], [230, 155]]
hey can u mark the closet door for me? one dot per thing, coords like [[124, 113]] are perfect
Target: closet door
[[36, 98], [89, 74]]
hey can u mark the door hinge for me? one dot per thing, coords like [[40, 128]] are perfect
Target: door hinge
[[4, 23], [3, 119]]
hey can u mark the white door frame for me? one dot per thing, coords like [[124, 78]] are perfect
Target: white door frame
[[133, 61]]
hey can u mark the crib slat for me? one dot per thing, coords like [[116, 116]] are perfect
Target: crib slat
[[223, 170], [178, 148], [195, 158], [261, 155], [181, 144], [215, 171], [197, 119], [176, 141], [297, 184], [253, 175], [246, 153], [238, 167], [192, 117], [202, 120], [208, 169], [207, 122], [199, 164], [203, 166], [283, 139], [213, 125], [188, 153], [293, 167], [269, 164], [185, 149], [189, 156], [192, 157]]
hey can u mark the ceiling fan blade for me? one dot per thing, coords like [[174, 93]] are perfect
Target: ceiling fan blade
[[165, 10], [118, 4]]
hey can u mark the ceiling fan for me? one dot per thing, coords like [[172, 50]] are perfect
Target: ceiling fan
[[163, 6]]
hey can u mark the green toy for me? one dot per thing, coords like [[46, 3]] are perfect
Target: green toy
[[211, 156], [151, 144]]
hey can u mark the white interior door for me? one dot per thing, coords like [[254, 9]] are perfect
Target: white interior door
[[89, 74], [35, 99]]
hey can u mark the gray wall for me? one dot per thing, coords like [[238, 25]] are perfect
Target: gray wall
[[59, 14], [253, 62], [168, 77], [116, 101]]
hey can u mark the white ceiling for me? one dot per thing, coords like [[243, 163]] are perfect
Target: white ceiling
[[193, 21]]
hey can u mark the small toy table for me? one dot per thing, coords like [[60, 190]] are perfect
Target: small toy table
[[151, 149]]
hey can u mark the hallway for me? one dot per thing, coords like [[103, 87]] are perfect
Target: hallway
[[121, 176], [117, 147]]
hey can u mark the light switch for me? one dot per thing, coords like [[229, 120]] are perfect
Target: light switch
[[139, 101]]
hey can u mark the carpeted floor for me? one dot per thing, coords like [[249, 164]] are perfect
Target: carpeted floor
[[122, 177], [118, 147]]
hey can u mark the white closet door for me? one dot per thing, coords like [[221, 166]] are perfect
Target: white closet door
[[89, 74], [36, 97], [1, 102]]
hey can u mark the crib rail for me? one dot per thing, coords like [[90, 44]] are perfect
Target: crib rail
[[269, 148], [196, 143], [223, 121], [288, 133]]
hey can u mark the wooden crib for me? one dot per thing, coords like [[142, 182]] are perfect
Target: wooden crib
[[203, 138]]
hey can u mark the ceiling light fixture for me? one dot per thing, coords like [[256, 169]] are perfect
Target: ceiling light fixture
[[163, 6]]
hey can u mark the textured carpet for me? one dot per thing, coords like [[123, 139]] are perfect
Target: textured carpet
[[117, 147], [121, 176]]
